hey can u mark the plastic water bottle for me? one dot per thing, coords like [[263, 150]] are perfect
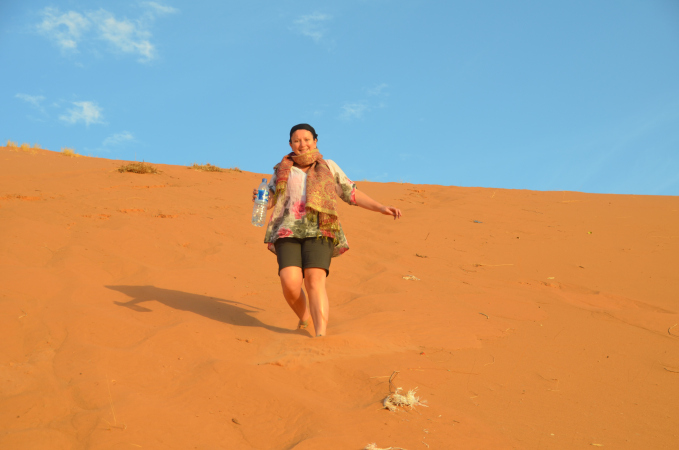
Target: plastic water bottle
[[261, 204]]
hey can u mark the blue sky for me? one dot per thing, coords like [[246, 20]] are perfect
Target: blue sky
[[542, 95]]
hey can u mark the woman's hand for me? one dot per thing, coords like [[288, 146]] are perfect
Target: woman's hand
[[269, 205], [391, 211]]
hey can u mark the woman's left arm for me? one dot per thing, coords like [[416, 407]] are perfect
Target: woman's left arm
[[364, 201]]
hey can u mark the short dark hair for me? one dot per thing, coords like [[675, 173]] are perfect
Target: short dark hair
[[303, 126]]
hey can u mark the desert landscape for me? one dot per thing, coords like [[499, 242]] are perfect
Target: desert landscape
[[144, 311]]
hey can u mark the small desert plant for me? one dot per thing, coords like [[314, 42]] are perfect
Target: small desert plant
[[207, 167], [138, 167], [37, 146], [234, 169], [27, 148], [11, 144], [393, 401], [69, 152]]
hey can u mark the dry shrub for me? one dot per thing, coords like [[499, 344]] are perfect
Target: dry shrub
[[234, 169], [138, 167], [13, 146], [69, 152], [37, 146], [27, 148], [397, 399], [207, 167]]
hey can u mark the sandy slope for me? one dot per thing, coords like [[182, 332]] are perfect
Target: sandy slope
[[143, 311]]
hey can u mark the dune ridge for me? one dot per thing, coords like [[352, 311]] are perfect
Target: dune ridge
[[144, 311]]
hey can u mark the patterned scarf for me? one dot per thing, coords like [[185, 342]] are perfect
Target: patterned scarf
[[321, 198]]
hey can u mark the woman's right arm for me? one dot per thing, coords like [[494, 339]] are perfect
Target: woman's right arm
[[364, 201]]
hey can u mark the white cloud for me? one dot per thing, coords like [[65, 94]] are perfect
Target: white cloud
[[354, 110], [124, 35], [118, 138], [72, 28], [66, 29], [311, 25], [35, 100], [88, 112], [160, 9], [377, 90]]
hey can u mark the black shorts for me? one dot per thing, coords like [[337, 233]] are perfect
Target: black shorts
[[304, 253]]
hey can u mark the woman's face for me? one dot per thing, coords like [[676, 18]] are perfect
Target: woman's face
[[301, 141]]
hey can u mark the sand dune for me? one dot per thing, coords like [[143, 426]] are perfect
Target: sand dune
[[143, 311]]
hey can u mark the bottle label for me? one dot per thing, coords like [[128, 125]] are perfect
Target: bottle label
[[262, 195]]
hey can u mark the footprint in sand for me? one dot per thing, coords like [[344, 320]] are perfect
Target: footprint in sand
[[24, 198], [97, 216], [131, 210]]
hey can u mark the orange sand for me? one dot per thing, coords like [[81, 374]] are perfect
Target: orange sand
[[143, 311]]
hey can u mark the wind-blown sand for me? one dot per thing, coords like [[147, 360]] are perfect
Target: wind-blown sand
[[144, 311]]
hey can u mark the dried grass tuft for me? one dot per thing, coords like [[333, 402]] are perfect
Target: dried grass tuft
[[207, 167], [26, 148], [138, 167], [69, 152], [397, 400]]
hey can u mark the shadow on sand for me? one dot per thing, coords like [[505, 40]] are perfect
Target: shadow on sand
[[227, 311]]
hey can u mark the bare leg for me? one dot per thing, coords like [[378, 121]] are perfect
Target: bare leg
[[314, 280], [291, 282]]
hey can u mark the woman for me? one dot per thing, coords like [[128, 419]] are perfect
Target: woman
[[304, 231]]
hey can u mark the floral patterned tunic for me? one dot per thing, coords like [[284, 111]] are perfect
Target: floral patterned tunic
[[289, 218]]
